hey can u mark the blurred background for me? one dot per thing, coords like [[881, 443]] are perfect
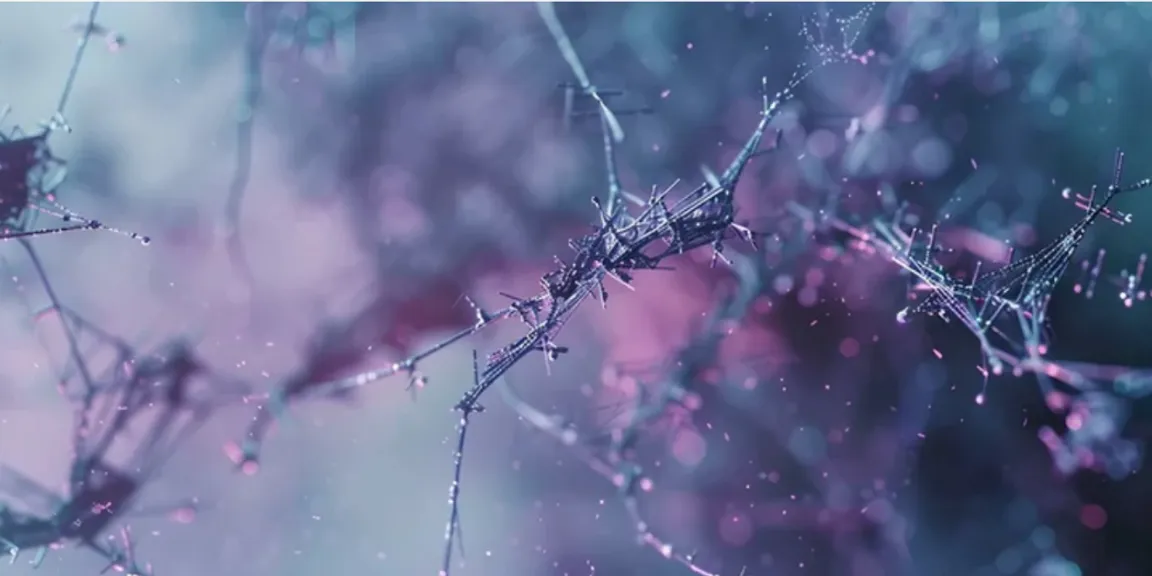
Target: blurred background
[[372, 164]]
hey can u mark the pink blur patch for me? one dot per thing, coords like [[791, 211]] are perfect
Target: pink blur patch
[[1093, 517], [736, 529], [689, 448]]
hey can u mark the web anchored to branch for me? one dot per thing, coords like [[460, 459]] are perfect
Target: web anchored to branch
[[1018, 293], [30, 174], [1006, 309]]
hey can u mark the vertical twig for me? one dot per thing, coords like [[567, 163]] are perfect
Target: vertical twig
[[466, 411]]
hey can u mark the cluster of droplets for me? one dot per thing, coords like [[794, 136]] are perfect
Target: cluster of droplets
[[1129, 283], [842, 47]]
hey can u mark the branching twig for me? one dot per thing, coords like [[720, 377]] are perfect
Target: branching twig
[[622, 243], [453, 527]]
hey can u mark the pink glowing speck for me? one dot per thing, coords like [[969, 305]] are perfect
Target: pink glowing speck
[[1057, 402], [250, 468], [1074, 421], [688, 448], [736, 529], [849, 348], [1093, 517], [184, 515]]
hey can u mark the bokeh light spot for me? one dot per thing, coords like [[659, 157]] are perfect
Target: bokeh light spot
[[1093, 517], [689, 448]]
